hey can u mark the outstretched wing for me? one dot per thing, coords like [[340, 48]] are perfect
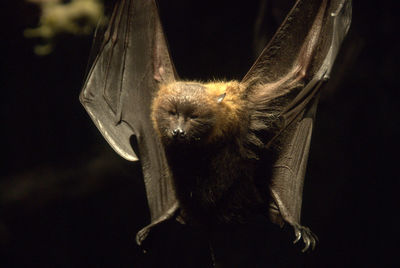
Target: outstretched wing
[[283, 86], [132, 59]]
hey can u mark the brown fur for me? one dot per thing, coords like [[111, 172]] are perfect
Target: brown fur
[[213, 164], [227, 115]]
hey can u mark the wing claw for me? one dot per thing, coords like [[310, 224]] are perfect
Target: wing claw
[[298, 235]]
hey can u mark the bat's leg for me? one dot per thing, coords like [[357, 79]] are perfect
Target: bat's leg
[[308, 237], [143, 233]]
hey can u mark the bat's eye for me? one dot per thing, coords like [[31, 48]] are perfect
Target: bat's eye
[[173, 113], [193, 116]]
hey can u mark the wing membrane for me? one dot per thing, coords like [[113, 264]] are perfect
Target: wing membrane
[[132, 60]]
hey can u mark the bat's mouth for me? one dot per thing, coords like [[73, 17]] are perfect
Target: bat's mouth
[[179, 140], [183, 140]]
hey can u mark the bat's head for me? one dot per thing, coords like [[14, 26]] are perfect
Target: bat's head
[[185, 113]]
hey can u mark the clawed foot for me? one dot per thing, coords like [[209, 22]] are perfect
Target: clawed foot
[[142, 234], [309, 238]]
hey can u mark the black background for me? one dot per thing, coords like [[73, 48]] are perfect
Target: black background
[[67, 200]]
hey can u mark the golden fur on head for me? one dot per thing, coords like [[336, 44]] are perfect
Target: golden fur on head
[[220, 104], [229, 113]]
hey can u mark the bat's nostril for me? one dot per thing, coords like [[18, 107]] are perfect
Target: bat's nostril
[[178, 132]]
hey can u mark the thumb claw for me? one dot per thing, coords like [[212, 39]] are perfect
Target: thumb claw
[[298, 236]]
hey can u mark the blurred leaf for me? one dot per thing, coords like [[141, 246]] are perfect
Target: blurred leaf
[[76, 17]]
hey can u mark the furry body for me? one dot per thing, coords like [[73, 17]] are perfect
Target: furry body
[[213, 162]]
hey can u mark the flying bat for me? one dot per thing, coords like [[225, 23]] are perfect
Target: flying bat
[[202, 146]]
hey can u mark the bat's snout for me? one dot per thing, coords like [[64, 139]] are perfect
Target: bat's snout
[[178, 133]]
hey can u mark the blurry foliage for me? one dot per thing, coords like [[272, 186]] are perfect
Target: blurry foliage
[[77, 17]]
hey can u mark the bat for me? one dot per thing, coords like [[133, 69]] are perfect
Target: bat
[[144, 111]]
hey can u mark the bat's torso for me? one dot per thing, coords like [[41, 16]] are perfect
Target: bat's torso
[[213, 184]]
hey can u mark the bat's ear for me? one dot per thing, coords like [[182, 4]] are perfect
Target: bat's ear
[[221, 97]]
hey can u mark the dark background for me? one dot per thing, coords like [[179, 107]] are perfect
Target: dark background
[[67, 200]]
